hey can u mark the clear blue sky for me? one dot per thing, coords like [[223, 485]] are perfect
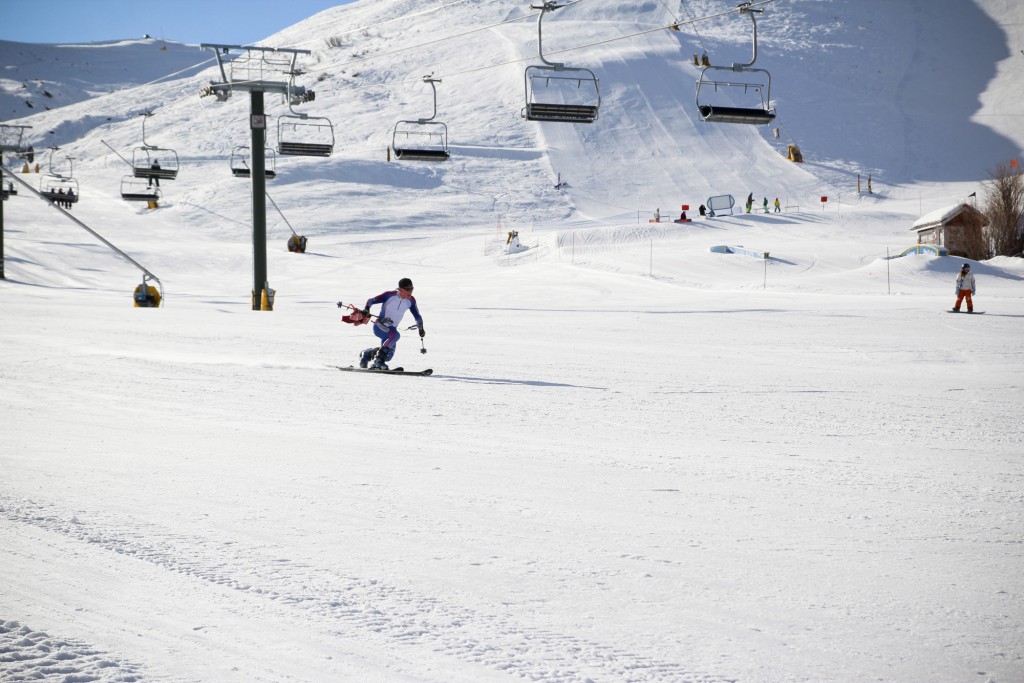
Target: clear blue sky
[[232, 22]]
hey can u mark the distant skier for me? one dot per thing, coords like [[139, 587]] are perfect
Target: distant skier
[[777, 205], [394, 304], [765, 204], [750, 202], [702, 210], [155, 167], [965, 288]]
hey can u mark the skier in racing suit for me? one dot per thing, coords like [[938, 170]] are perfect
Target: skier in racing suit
[[394, 304]]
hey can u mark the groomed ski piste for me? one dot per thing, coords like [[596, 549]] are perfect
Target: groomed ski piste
[[637, 459]]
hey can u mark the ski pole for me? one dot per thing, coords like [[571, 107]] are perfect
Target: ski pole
[[423, 349]]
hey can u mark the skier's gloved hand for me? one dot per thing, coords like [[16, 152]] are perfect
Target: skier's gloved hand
[[366, 311], [423, 332]]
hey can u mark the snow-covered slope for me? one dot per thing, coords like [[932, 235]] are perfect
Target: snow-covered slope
[[42, 77], [638, 459]]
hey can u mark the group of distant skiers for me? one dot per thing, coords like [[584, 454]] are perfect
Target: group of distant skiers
[[750, 204]]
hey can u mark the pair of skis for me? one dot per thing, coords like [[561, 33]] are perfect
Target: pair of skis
[[392, 371]]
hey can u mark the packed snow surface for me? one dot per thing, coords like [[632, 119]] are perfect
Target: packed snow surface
[[637, 459]]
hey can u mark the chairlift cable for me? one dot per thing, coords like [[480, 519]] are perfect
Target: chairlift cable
[[187, 68], [699, 36], [437, 40], [388, 21], [524, 59]]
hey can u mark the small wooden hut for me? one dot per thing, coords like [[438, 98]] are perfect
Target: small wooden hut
[[960, 228]]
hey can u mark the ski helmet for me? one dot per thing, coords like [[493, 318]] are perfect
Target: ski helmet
[[405, 283]]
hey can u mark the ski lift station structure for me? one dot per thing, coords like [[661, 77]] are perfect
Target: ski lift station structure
[[742, 78], [557, 79], [433, 133], [258, 71]]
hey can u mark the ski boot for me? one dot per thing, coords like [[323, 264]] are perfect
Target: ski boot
[[365, 356], [380, 360]]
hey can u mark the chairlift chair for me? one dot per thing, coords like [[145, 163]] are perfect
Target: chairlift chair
[[240, 164], [556, 92], [739, 80], [58, 188], [152, 162], [158, 163], [302, 134], [12, 139], [306, 136], [431, 136], [135, 189]]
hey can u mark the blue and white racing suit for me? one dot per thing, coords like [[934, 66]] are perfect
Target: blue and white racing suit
[[393, 308]]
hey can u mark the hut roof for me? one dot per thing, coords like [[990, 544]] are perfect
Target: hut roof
[[943, 216]]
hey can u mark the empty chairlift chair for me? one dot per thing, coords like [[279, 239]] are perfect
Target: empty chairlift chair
[[752, 86], [556, 92], [301, 134], [240, 162], [138, 189], [422, 139], [304, 136]]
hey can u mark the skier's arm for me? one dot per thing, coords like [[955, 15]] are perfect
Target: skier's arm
[[379, 299], [415, 310]]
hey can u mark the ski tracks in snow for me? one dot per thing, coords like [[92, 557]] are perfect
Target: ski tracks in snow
[[348, 607], [27, 655]]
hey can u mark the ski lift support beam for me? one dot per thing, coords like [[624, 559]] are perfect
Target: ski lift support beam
[[258, 128], [71, 165], [745, 8]]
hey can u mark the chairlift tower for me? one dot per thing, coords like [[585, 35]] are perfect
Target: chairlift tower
[[12, 139], [260, 70]]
